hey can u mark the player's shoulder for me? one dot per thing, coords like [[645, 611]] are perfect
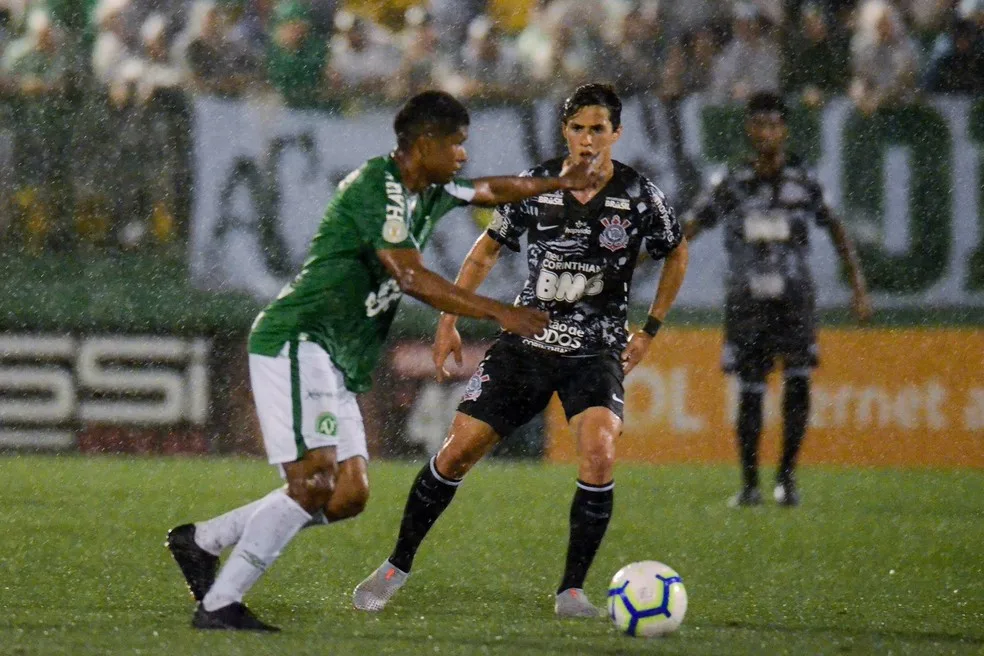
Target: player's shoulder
[[636, 185], [370, 177], [548, 169], [798, 170]]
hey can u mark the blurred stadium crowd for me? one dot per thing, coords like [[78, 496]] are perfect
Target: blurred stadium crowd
[[94, 89]]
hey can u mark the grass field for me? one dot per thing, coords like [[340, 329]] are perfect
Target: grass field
[[874, 562]]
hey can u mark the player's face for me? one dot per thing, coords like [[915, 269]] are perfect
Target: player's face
[[589, 133], [767, 132], [443, 156]]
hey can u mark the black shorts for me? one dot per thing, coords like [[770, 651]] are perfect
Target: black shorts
[[756, 334], [514, 383]]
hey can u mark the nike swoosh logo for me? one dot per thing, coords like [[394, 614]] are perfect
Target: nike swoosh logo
[[541, 227], [618, 400]]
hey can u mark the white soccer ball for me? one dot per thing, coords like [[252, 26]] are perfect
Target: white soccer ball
[[647, 599]]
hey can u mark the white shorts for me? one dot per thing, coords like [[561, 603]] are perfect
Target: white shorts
[[302, 404]]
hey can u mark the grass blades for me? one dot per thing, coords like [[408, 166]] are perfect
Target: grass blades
[[885, 562]]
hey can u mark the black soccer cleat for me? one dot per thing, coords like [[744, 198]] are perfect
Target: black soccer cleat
[[234, 617], [786, 493], [748, 496], [198, 566]]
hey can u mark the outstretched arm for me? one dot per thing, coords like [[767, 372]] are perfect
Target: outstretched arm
[[690, 226], [407, 267], [501, 190], [670, 281], [474, 270], [861, 302]]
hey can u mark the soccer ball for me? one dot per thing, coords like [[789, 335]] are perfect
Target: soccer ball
[[647, 599]]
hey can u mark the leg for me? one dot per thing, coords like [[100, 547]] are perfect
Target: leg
[[800, 356], [592, 394], [506, 390], [796, 412], [749, 433], [310, 482], [748, 354], [196, 547], [306, 416], [468, 440], [595, 430], [351, 490]]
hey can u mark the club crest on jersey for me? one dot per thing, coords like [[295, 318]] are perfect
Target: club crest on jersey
[[473, 389], [326, 424], [615, 236]]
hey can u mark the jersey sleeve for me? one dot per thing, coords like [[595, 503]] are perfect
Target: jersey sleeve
[[713, 204], [663, 232], [382, 222], [510, 221], [453, 195]]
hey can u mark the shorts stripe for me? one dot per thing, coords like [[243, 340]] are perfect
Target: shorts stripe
[[295, 398]]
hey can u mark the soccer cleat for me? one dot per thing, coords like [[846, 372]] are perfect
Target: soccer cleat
[[785, 493], [572, 602], [746, 497], [375, 592], [198, 566], [234, 617]]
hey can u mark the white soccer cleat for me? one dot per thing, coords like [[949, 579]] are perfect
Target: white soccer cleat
[[572, 602], [375, 592]]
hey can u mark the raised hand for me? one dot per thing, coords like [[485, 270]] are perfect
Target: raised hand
[[582, 174]]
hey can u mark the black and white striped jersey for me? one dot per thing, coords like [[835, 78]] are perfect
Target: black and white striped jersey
[[581, 256]]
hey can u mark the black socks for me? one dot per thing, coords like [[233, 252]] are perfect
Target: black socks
[[795, 413], [430, 495], [591, 509], [749, 433]]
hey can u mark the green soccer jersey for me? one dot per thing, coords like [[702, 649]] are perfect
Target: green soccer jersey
[[344, 299]]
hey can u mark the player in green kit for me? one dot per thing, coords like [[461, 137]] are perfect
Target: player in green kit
[[315, 347]]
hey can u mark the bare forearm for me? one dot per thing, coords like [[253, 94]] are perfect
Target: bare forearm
[[510, 189], [478, 263], [432, 289], [670, 281], [848, 254], [690, 227]]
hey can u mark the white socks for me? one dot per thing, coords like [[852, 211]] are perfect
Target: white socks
[[219, 533], [274, 521]]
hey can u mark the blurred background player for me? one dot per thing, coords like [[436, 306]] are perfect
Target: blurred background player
[[582, 247], [314, 347], [766, 206]]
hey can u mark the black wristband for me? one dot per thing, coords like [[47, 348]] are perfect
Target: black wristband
[[652, 326]]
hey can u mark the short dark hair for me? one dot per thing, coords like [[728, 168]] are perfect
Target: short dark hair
[[765, 102], [589, 95], [435, 113]]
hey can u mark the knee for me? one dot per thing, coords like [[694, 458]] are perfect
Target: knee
[[348, 500], [454, 460], [598, 463], [597, 446], [313, 489]]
